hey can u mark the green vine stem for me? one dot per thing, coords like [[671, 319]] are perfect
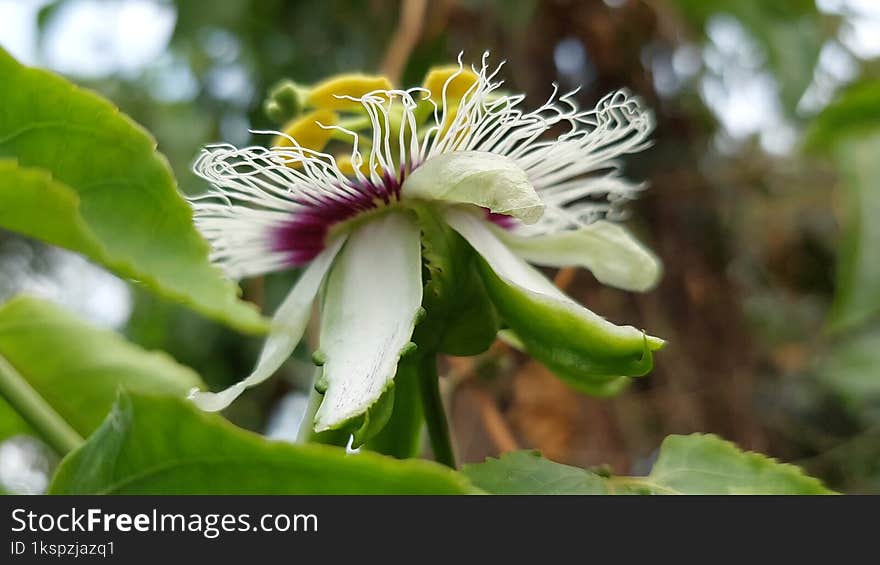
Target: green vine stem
[[36, 411], [435, 415]]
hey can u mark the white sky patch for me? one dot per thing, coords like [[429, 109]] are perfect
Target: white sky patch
[[232, 83], [72, 282], [738, 89], [861, 31], [672, 67], [573, 62], [223, 46], [90, 38], [25, 465], [173, 80], [288, 416], [18, 28], [836, 67], [235, 128], [686, 61]]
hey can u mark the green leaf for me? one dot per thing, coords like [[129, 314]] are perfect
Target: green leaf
[[790, 33], [78, 174], [76, 368], [526, 472], [857, 297], [707, 464], [153, 445], [23, 189], [694, 464]]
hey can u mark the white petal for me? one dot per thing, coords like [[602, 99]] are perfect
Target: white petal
[[607, 249], [373, 297], [288, 326], [517, 273], [505, 264], [477, 177]]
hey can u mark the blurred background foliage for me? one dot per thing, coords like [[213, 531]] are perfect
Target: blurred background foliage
[[763, 204]]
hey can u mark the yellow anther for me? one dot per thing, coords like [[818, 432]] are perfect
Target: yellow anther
[[347, 167], [448, 118], [438, 76], [326, 94], [306, 131]]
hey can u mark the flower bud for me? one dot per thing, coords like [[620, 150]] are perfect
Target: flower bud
[[285, 102]]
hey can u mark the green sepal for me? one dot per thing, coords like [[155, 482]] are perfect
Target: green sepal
[[459, 317], [375, 418], [358, 430], [579, 350], [401, 435]]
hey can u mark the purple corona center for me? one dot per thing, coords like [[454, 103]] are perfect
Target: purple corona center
[[501, 220], [304, 236]]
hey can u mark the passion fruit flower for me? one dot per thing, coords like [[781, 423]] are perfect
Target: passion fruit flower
[[520, 187]]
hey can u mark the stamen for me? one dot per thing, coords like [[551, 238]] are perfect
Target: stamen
[[273, 208]]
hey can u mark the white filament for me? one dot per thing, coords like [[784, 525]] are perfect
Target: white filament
[[576, 173]]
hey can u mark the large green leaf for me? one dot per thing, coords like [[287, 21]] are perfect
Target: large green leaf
[[857, 297], [791, 34], [706, 464], [165, 445], [526, 472], [78, 174], [77, 369], [24, 188], [694, 464]]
